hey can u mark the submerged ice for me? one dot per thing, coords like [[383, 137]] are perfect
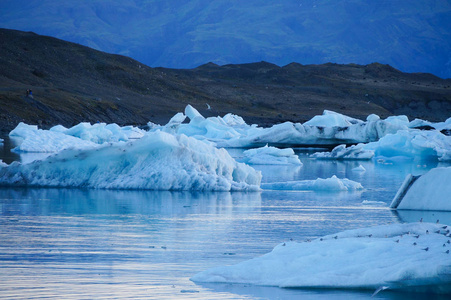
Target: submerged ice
[[412, 256], [157, 161]]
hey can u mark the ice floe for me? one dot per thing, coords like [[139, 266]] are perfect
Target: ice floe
[[332, 184], [271, 156], [157, 161], [414, 144], [412, 257], [355, 152]]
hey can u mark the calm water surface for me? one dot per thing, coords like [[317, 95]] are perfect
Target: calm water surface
[[93, 244]]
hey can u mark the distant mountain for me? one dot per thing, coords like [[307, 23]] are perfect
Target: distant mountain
[[413, 36], [73, 83]]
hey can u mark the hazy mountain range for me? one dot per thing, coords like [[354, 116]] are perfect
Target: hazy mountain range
[[413, 36]]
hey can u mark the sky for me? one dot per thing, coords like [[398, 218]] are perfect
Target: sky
[[412, 36]]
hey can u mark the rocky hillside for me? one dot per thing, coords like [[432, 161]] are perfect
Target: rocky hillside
[[73, 83]]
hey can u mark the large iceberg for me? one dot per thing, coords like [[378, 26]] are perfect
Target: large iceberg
[[413, 257], [328, 129], [431, 191], [157, 161]]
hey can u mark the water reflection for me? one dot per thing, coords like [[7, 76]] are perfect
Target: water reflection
[[5, 154], [405, 216], [111, 202]]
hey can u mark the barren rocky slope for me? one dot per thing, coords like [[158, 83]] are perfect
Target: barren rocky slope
[[73, 83]]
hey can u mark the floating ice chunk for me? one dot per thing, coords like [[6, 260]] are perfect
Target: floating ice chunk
[[158, 161], [213, 129], [32, 139], [192, 113], [271, 156], [431, 191], [332, 184], [355, 152], [398, 120], [372, 118], [174, 123], [398, 256], [415, 144], [368, 202], [418, 123], [2, 164], [360, 168], [332, 119], [100, 132], [234, 120]]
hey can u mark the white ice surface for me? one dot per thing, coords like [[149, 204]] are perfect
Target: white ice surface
[[432, 191], [414, 144], [327, 129], [32, 139], [83, 135], [271, 156], [158, 161], [332, 184], [399, 256], [355, 152]]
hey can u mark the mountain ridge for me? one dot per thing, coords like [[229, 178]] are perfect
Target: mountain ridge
[[412, 36], [72, 83]]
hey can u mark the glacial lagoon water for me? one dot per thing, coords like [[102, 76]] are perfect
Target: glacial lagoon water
[[94, 244]]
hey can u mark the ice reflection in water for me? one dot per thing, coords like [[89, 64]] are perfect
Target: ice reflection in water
[[84, 244]]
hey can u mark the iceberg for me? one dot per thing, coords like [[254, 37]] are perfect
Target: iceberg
[[100, 133], [331, 128], [430, 191], [83, 135], [271, 156], [412, 257], [332, 119], [32, 139], [355, 152], [332, 184], [414, 144], [411, 144], [157, 161]]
